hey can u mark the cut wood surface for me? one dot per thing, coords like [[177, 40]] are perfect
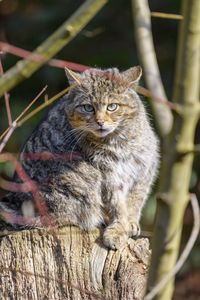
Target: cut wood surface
[[68, 263]]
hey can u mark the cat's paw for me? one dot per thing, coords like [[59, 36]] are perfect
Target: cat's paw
[[134, 229], [115, 236]]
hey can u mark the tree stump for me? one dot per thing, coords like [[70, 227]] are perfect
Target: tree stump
[[68, 263]]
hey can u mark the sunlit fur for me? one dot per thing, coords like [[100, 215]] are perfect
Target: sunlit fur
[[99, 89], [118, 157]]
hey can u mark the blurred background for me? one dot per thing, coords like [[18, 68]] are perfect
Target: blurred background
[[108, 40]]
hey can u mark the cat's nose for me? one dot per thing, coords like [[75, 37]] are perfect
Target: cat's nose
[[100, 122]]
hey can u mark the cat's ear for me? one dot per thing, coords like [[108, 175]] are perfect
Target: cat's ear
[[72, 76], [133, 74]]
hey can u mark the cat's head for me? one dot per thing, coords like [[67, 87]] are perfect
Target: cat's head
[[102, 101]]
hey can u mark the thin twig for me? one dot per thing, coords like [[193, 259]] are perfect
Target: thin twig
[[185, 253], [7, 136], [147, 93], [42, 106], [8, 110], [32, 102], [166, 16], [14, 124], [39, 108], [6, 97], [93, 33]]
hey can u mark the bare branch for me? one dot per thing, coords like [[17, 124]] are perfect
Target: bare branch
[[39, 108], [7, 136], [144, 41], [9, 131], [58, 63], [32, 186], [147, 93], [63, 35], [42, 106], [166, 16]]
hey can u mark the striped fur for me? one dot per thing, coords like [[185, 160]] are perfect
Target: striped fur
[[117, 164]]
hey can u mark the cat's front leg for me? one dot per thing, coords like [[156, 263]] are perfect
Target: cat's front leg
[[116, 233]]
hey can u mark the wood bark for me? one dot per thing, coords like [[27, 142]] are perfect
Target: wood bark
[[68, 263]]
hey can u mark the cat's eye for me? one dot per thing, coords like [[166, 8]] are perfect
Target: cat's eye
[[88, 108], [112, 106]]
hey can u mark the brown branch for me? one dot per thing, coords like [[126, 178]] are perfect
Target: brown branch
[[13, 186], [147, 93], [33, 188], [28, 185], [62, 36], [58, 63]]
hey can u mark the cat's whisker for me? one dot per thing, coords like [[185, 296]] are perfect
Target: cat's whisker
[[72, 134], [74, 138], [76, 133], [79, 138]]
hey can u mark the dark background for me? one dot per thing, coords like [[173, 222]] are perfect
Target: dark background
[[108, 40]]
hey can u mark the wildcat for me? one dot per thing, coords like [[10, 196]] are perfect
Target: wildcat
[[103, 120]]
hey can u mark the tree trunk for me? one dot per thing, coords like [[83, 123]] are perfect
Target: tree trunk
[[68, 263], [179, 152], [147, 55]]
